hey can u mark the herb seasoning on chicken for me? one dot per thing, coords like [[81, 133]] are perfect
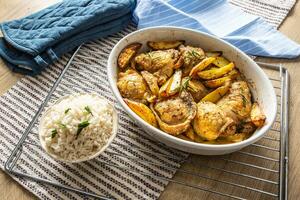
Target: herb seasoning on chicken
[[188, 93]]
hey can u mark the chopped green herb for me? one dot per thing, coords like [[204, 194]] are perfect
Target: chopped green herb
[[62, 125], [88, 110], [244, 101], [194, 53], [66, 111], [81, 126], [53, 133], [185, 83]]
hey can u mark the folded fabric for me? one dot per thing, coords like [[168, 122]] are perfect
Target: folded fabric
[[218, 17], [32, 43]]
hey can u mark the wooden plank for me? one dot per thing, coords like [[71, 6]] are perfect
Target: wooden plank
[[9, 189]]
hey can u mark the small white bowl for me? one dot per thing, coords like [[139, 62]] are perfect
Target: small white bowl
[[262, 88], [113, 135]]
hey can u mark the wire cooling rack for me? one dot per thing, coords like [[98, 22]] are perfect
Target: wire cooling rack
[[259, 171]]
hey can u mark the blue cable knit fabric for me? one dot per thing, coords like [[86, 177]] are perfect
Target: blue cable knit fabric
[[32, 43]]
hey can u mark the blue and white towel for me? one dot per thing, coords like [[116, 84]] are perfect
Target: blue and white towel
[[248, 32]]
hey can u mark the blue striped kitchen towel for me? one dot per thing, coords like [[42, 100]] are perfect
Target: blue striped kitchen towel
[[250, 33]]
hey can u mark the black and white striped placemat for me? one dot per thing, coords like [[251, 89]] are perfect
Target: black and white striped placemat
[[88, 70]]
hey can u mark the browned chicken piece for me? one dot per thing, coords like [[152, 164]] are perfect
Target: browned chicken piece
[[211, 122], [162, 63], [191, 57], [132, 85], [155, 60], [246, 127], [257, 116], [237, 103], [175, 114], [127, 54], [151, 80]]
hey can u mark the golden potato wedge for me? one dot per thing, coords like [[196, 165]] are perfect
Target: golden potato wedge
[[172, 85], [202, 65], [163, 89], [221, 81], [175, 84], [127, 54], [217, 94], [151, 81], [257, 116], [221, 61], [143, 111], [213, 53], [216, 73], [163, 45]]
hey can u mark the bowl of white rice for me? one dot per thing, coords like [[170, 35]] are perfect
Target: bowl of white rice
[[78, 127]]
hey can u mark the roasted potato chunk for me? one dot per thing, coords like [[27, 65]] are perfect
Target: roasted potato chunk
[[163, 45], [217, 94], [213, 53], [257, 116], [220, 61], [127, 54], [172, 86], [202, 65], [221, 81], [143, 111], [216, 73]]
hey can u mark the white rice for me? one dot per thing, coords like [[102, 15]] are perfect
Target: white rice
[[64, 117]]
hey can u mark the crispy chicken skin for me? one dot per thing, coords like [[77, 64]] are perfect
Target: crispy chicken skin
[[172, 111], [151, 80], [175, 114], [191, 57], [211, 122], [156, 60], [237, 103], [132, 85], [161, 63]]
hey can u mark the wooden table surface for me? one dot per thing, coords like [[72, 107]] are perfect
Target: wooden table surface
[[12, 9]]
